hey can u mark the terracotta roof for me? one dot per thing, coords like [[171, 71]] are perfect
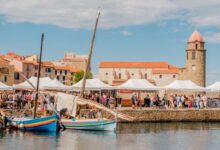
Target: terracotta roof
[[73, 69], [196, 37], [47, 64], [133, 65], [169, 71], [3, 61], [13, 55], [60, 67]]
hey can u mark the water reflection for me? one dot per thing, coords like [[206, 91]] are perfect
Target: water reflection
[[169, 136]]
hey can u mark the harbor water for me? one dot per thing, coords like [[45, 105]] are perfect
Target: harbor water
[[129, 136]]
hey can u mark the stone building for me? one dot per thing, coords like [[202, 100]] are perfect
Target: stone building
[[72, 59], [195, 68], [6, 72], [160, 73], [28, 66]]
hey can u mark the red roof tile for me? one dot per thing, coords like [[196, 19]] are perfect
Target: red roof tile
[[133, 65]]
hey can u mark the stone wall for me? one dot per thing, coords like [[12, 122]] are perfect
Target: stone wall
[[163, 115]]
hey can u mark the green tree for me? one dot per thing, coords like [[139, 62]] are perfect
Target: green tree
[[79, 75]]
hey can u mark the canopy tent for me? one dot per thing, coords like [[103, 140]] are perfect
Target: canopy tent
[[137, 84], [92, 84], [4, 87], [55, 85], [214, 87], [25, 85], [183, 85]]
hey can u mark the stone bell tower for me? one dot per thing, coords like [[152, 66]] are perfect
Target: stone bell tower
[[196, 59]]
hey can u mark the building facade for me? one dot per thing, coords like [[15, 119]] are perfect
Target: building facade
[[160, 73], [6, 72], [28, 66]]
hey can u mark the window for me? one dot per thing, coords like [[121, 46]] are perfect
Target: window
[[16, 76], [196, 46], [36, 67], [35, 74], [65, 72], [5, 79], [55, 72], [60, 71], [145, 75], [106, 73], [28, 67], [58, 77], [64, 78], [72, 73], [193, 55], [160, 76], [28, 75], [174, 76], [193, 67], [132, 74], [119, 75], [48, 69]]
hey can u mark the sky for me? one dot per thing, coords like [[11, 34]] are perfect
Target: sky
[[129, 30]]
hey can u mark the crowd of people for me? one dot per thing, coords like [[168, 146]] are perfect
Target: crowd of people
[[17, 100], [26, 99], [107, 100], [172, 101]]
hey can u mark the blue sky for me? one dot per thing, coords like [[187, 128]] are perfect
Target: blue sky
[[128, 30]]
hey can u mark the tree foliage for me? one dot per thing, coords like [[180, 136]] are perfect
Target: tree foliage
[[79, 75]]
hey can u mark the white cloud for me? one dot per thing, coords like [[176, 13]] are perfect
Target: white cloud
[[115, 13], [212, 37], [126, 33]]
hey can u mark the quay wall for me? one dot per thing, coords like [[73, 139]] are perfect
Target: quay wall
[[175, 115]]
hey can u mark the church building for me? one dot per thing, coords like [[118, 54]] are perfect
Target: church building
[[160, 73]]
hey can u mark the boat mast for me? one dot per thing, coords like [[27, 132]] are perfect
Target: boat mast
[[89, 57], [38, 77]]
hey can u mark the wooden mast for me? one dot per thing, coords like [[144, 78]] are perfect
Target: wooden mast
[[89, 57], [38, 77]]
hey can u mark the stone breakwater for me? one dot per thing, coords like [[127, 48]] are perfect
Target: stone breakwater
[[175, 115]]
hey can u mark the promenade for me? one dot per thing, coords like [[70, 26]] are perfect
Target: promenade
[[169, 115]]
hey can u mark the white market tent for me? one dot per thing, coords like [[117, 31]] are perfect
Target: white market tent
[[92, 84], [137, 84], [25, 85], [214, 87], [4, 87], [183, 85], [55, 85]]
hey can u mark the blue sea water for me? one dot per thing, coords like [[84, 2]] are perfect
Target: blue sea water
[[129, 136]]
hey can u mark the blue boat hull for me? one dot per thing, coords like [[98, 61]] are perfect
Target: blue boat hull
[[46, 124]]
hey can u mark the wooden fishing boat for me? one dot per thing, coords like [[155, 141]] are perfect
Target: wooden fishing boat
[[48, 124], [89, 124]]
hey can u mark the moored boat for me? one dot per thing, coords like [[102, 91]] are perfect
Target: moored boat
[[48, 124], [89, 124]]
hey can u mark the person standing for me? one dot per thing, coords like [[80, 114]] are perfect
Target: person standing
[[134, 100], [104, 99], [205, 100], [198, 99]]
